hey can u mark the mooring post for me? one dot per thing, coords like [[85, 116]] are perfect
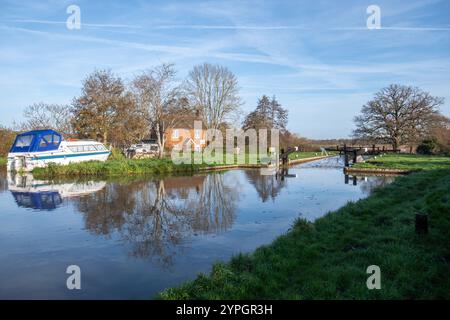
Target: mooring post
[[355, 156], [355, 181], [346, 155], [346, 179], [421, 223]]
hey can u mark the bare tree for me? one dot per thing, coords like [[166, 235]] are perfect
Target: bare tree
[[47, 116], [213, 90], [397, 115], [157, 92]]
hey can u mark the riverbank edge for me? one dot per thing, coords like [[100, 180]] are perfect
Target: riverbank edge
[[258, 166], [377, 230], [51, 173], [374, 171]]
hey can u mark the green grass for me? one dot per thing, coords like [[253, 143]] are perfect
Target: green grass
[[3, 161], [406, 162], [307, 154], [114, 167], [328, 259]]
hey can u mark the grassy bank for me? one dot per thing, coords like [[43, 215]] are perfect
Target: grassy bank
[[115, 167], [122, 166], [406, 162], [3, 161], [307, 154], [327, 259]]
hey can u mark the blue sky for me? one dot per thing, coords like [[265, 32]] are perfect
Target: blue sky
[[317, 57]]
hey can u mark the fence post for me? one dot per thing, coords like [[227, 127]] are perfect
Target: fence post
[[421, 223]]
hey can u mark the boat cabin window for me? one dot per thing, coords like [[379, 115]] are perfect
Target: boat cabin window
[[56, 139], [100, 147], [46, 140], [87, 148], [24, 141], [49, 142], [73, 149]]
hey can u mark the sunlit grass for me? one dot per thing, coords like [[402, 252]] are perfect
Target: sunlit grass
[[114, 167], [308, 154], [406, 162]]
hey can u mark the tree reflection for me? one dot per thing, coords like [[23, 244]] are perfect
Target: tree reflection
[[154, 216], [372, 183], [267, 186], [214, 211], [3, 181]]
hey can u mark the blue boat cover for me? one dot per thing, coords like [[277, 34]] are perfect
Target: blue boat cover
[[37, 140], [46, 200]]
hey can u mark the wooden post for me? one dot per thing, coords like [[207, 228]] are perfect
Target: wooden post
[[373, 149], [355, 181], [346, 179], [346, 159], [355, 156], [421, 223]]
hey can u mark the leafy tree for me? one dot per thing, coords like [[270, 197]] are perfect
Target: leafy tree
[[268, 114], [398, 115], [105, 110], [7, 137]]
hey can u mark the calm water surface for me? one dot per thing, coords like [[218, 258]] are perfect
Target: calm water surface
[[132, 239]]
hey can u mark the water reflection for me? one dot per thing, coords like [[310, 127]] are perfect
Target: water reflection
[[267, 186], [3, 181], [369, 184], [46, 195], [154, 216], [151, 217]]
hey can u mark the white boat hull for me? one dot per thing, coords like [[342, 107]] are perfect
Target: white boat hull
[[27, 162]]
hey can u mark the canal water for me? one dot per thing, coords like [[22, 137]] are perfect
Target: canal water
[[134, 237]]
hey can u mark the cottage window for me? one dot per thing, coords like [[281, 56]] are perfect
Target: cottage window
[[175, 134], [197, 134]]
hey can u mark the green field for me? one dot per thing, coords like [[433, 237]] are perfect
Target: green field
[[327, 259], [406, 162]]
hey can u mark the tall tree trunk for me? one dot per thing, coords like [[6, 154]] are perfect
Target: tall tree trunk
[[159, 141]]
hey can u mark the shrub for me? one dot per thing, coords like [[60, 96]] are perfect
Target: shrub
[[116, 154], [427, 146]]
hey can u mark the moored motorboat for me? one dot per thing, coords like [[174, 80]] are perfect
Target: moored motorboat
[[38, 148]]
